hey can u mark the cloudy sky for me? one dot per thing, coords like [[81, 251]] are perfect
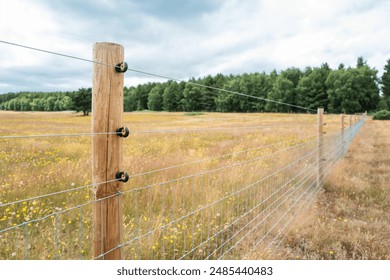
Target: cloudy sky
[[186, 38]]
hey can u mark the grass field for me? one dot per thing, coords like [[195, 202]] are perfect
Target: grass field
[[194, 183]]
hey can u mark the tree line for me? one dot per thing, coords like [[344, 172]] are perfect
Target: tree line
[[341, 90], [79, 101]]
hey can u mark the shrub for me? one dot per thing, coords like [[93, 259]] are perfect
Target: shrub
[[382, 115], [193, 113]]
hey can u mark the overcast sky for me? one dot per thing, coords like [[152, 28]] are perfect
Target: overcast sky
[[186, 38]]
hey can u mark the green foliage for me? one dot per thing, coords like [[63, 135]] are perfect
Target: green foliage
[[37, 101], [171, 97], [382, 115], [82, 101], [353, 90], [192, 96], [385, 79], [347, 90], [312, 90], [129, 99], [193, 114], [155, 98], [282, 91]]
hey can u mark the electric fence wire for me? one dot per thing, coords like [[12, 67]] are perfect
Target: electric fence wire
[[134, 189], [199, 209], [290, 191], [154, 171], [264, 201], [55, 135], [162, 76], [290, 210], [218, 128], [92, 185], [247, 213], [154, 131], [55, 216], [57, 193], [57, 212], [352, 133], [309, 169], [335, 151], [309, 138], [333, 156], [306, 171]]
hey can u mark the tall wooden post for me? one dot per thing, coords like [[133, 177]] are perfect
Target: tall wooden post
[[320, 139], [107, 115]]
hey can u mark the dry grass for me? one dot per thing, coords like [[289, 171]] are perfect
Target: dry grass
[[166, 213], [350, 219]]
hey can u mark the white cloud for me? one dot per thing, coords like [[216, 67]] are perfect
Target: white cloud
[[186, 39]]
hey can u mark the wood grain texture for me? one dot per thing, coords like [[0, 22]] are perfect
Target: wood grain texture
[[107, 116]]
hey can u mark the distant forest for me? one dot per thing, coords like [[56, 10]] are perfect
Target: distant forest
[[342, 90]]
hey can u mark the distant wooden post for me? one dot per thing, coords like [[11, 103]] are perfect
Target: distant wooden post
[[342, 134], [320, 135], [107, 115]]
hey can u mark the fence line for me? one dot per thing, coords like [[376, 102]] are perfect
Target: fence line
[[152, 131], [53, 135], [335, 151], [352, 131], [157, 170], [57, 193], [227, 211], [232, 217]]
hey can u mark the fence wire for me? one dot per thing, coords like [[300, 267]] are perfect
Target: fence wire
[[236, 208]]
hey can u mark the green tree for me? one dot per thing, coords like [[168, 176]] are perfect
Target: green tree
[[129, 99], [25, 104], [82, 101], [191, 98], [257, 86], [210, 93], [311, 89], [67, 103], [142, 95], [366, 83], [172, 97], [353, 90], [282, 91], [37, 104], [49, 103], [155, 98], [360, 62], [231, 100], [385, 86]]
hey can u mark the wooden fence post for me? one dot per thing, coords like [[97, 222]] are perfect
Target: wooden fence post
[[342, 134], [320, 139], [107, 114]]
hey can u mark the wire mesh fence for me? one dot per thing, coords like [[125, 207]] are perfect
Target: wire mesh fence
[[231, 205]]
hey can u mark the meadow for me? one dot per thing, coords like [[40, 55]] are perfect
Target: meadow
[[202, 186]]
